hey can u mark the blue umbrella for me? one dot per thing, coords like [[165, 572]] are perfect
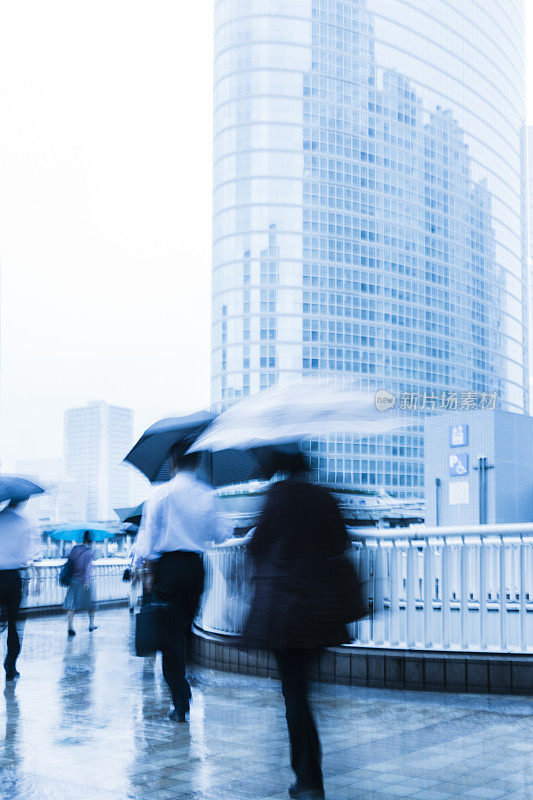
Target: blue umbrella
[[75, 533], [17, 489]]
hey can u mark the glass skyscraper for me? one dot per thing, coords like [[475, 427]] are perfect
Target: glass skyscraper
[[370, 209]]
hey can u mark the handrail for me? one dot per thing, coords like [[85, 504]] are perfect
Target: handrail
[[41, 587], [443, 589]]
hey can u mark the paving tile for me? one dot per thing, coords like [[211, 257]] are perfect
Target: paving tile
[[431, 794], [483, 793], [522, 794], [88, 720]]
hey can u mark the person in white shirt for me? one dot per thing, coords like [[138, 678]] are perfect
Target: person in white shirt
[[179, 522], [19, 547]]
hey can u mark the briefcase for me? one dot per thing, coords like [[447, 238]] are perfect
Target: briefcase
[[151, 629]]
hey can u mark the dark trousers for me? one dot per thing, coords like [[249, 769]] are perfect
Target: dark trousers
[[178, 581], [10, 599], [306, 754]]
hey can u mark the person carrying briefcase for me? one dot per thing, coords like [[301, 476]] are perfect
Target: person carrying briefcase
[[179, 522]]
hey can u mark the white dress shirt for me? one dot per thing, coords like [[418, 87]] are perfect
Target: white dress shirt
[[180, 515], [20, 543]]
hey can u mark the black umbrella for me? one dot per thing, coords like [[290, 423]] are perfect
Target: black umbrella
[[152, 452], [228, 467], [17, 489], [131, 514]]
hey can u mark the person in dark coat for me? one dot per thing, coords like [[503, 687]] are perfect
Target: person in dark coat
[[297, 608]]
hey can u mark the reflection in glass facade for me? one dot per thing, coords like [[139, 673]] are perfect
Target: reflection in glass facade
[[370, 207]]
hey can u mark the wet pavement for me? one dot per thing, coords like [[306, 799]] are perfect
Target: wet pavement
[[87, 720]]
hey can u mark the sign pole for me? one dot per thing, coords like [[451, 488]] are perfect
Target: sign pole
[[483, 467], [437, 498]]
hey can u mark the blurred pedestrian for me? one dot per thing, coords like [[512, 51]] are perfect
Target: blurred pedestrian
[[297, 605], [179, 522], [19, 546], [80, 593]]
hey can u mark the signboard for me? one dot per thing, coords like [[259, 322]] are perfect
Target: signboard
[[458, 463], [458, 493], [458, 435]]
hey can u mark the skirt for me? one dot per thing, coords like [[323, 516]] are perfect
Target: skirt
[[78, 597]]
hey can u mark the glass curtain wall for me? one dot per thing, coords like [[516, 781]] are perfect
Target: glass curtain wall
[[370, 210]]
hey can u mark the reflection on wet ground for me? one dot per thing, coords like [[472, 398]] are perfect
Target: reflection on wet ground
[[87, 720]]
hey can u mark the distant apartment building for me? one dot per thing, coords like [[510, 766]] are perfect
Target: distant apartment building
[[97, 437]]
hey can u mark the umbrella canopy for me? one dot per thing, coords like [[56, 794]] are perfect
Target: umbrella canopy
[[17, 489], [294, 412], [131, 514], [74, 533], [152, 452], [232, 466]]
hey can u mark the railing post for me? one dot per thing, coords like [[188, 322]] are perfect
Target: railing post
[[446, 596], [379, 603], [412, 592], [371, 551], [395, 595], [405, 581], [463, 560], [503, 637], [429, 571], [483, 594]]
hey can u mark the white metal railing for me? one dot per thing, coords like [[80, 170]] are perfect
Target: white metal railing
[[432, 589], [41, 587]]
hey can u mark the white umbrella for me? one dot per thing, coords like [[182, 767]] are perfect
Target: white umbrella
[[294, 412]]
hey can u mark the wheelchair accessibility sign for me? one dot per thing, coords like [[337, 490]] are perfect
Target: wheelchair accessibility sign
[[458, 465]]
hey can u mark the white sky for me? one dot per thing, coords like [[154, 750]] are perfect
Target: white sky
[[105, 211]]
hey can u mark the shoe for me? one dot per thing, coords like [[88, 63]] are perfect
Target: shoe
[[176, 716], [92, 628], [12, 675], [71, 632], [299, 793]]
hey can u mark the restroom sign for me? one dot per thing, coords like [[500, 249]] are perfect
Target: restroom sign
[[458, 435]]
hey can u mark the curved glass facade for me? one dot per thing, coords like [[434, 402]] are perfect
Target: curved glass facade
[[370, 208]]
